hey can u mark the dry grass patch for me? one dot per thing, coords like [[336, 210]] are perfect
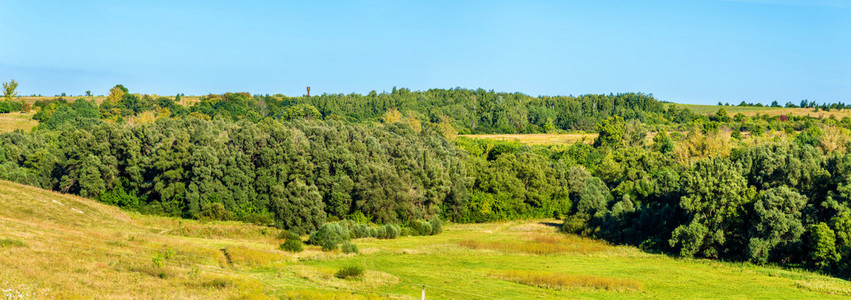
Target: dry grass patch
[[17, 120], [559, 281], [840, 288], [541, 244], [241, 255], [227, 231]]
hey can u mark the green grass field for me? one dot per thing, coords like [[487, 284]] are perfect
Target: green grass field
[[59, 246]]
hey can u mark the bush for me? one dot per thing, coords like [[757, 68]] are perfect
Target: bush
[[287, 235], [421, 227], [348, 247], [389, 231], [573, 224], [380, 232], [328, 234], [292, 245], [357, 231], [349, 272], [436, 225]]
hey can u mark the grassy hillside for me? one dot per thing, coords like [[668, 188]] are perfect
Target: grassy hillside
[[60, 246], [17, 120]]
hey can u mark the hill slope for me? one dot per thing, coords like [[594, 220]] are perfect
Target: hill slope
[[59, 246]]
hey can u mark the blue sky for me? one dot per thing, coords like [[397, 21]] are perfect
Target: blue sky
[[682, 51]]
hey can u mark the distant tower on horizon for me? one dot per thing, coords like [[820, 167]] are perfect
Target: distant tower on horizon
[[308, 91]]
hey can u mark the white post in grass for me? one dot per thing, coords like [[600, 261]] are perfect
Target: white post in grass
[[424, 292]]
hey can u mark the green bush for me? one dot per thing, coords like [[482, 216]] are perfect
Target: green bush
[[327, 235], [421, 227], [436, 225], [357, 231], [389, 231], [292, 245], [328, 246], [348, 247], [349, 272]]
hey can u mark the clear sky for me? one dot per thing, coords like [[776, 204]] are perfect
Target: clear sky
[[701, 51]]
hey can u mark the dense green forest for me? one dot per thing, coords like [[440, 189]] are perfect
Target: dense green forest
[[765, 189]]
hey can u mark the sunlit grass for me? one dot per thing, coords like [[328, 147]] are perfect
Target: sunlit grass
[[17, 120], [560, 281], [104, 252]]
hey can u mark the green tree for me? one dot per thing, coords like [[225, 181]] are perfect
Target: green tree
[[9, 89], [662, 142], [777, 222], [714, 198], [594, 197], [822, 243], [610, 133]]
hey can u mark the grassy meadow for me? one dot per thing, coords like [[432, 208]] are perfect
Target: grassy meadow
[[17, 120], [60, 246]]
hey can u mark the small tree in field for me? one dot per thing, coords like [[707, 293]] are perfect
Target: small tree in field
[[9, 89]]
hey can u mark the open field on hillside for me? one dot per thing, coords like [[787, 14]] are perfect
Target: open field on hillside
[[17, 120], [774, 111], [538, 138], [59, 246]]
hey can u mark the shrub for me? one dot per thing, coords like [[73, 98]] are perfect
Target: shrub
[[349, 272], [391, 231], [287, 235], [330, 233], [348, 247], [328, 246], [292, 245], [436, 225], [360, 231], [380, 232], [421, 227]]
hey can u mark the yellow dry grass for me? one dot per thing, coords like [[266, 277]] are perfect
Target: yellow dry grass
[[17, 120], [560, 281], [538, 138], [540, 244]]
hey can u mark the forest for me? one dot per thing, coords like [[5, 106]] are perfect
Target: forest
[[763, 189]]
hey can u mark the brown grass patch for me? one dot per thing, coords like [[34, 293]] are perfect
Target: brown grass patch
[[541, 244], [559, 281], [17, 120], [227, 231], [241, 255]]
